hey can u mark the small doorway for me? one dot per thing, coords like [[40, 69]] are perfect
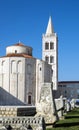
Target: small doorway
[[29, 99]]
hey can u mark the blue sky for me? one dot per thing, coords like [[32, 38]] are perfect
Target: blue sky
[[26, 20]]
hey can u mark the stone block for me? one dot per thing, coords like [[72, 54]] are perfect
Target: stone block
[[46, 106], [59, 106]]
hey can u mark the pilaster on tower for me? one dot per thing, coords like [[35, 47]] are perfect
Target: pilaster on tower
[[50, 51]]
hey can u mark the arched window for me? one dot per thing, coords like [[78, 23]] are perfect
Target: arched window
[[29, 68], [46, 45], [51, 59], [19, 66], [29, 99], [4, 66], [15, 51], [51, 45], [47, 59], [13, 67]]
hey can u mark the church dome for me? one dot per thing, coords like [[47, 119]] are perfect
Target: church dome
[[19, 48]]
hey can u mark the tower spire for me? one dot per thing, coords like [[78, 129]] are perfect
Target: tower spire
[[50, 29]]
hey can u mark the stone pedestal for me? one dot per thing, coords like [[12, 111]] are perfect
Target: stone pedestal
[[59, 107], [46, 106]]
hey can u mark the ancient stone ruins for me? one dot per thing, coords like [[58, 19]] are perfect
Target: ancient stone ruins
[[46, 113]]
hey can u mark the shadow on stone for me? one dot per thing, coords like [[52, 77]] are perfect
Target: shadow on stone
[[7, 99], [8, 127], [29, 127]]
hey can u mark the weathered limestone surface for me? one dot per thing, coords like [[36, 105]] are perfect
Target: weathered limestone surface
[[8, 111], [17, 118], [59, 106], [46, 105], [67, 105], [72, 102], [22, 123]]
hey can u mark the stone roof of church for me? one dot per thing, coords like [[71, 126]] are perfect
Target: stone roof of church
[[21, 44], [19, 54]]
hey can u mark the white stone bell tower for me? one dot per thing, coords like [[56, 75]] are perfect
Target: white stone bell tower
[[50, 51]]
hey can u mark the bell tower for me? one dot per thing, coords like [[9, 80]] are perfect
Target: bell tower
[[50, 51]]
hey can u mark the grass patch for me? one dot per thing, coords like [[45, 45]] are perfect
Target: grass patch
[[71, 121]]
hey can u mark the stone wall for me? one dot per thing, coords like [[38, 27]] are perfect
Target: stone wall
[[14, 111], [11, 120], [8, 111], [18, 77], [22, 123]]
